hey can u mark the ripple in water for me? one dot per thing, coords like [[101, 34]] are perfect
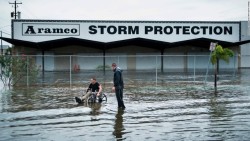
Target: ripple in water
[[176, 113]]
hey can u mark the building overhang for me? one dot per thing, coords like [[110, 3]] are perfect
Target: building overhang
[[143, 42]]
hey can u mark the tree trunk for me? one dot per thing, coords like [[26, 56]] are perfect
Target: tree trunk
[[218, 66]]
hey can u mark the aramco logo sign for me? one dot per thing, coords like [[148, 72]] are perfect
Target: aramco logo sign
[[39, 29]]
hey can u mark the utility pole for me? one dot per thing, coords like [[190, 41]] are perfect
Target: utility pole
[[16, 4]]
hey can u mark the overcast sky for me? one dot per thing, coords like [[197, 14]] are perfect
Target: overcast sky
[[154, 10]]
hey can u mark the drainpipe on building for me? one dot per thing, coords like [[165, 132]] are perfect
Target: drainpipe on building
[[1, 44]]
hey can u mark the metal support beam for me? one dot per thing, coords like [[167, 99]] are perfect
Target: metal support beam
[[104, 61], [43, 63], [162, 58]]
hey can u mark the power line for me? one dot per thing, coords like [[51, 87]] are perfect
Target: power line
[[16, 4], [4, 26], [5, 32]]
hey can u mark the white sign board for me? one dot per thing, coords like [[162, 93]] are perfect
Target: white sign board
[[212, 46], [108, 31]]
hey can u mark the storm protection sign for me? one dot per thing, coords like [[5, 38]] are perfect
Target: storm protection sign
[[109, 31]]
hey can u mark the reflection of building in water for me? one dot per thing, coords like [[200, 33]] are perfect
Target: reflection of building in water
[[118, 126]]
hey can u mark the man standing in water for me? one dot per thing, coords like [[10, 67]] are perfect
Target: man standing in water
[[118, 85]]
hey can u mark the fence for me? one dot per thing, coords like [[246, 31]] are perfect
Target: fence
[[138, 70]]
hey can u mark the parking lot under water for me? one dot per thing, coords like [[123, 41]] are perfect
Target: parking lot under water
[[175, 111]]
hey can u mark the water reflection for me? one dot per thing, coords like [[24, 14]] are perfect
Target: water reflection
[[95, 110], [220, 116], [118, 126], [217, 109]]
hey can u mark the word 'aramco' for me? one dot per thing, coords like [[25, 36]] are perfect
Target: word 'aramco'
[[32, 30]]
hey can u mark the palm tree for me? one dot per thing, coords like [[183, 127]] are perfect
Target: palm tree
[[220, 54]]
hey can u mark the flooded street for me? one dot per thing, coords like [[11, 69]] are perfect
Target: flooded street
[[182, 112]]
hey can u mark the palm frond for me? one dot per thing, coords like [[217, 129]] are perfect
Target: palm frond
[[221, 54]]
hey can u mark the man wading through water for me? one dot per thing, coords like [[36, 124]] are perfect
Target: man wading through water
[[118, 85]]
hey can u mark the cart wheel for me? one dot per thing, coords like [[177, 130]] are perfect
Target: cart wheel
[[104, 98], [90, 100]]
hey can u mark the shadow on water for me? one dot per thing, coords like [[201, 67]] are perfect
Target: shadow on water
[[118, 126]]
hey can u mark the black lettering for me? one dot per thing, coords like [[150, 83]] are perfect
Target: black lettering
[[228, 30], [66, 30], [58, 30], [148, 29], [40, 30], [186, 30], [157, 29], [122, 29], [30, 30], [47, 30], [204, 29], [112, 29], [132, 30], [210, 30], [194, 30], [218, 30], [168, 30], [102, 28], [92, 29], [73, 30], [177, 29]]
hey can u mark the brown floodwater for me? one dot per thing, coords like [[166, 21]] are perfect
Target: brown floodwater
[[172, 110]]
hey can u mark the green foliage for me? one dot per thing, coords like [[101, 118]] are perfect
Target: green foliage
[[14, 68], [220, 53], [101, 67]]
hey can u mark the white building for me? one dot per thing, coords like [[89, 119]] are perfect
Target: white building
[[174, 41]]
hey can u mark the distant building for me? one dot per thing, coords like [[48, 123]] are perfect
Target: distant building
[[175, 43]]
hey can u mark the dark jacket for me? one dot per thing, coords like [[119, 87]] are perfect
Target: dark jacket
[[118, 79]]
